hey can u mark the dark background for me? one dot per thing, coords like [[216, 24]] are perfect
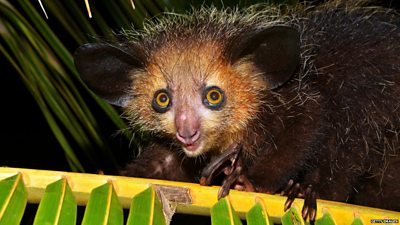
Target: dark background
[[26, 140]]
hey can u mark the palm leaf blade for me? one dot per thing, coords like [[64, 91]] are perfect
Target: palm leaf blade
[[13, 200], [146, 209], [292, 217], [103, 207], [58, 206], [222, 213], [326, 219], [258, 215]]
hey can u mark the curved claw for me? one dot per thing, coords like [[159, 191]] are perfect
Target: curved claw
[[215, 167], [227, 183], [310, 204], [293, 193], [293, 190], [305, 210], [234, 175], [233, 171]]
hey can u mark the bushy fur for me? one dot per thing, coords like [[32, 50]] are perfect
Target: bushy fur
[[334, 125]]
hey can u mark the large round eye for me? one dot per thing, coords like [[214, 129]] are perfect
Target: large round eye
[[213, 97], [161, 101]]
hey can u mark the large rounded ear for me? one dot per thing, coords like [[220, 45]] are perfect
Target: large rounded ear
[[274, 50], [106, 70]]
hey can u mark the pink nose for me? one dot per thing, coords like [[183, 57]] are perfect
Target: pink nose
[[188, 138], [187, 126]]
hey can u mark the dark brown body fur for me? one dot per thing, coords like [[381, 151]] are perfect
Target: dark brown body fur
[[338, 128], [335, 124]]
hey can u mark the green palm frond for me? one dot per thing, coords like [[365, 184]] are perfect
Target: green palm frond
[[39, 66], [58, 205], [103, 197]]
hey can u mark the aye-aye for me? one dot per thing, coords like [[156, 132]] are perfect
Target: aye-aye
[[306, 103]]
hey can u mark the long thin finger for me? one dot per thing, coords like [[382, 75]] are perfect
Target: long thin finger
[[227, 183], [313, 206], [292, 195], [307, 203], [288, 187], [214, 168]]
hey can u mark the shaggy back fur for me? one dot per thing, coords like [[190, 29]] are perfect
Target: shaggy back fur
[[334, 124]]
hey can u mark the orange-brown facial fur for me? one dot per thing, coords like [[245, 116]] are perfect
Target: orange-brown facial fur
[[311, 98], [185, 70]]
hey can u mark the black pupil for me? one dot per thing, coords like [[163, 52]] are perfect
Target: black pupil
[[214, 95], [163, 98]]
